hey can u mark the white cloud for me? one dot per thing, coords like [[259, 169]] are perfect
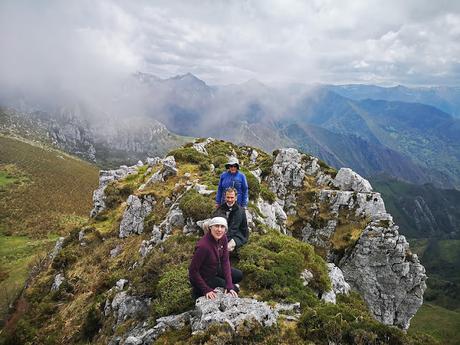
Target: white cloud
[[408, 42]]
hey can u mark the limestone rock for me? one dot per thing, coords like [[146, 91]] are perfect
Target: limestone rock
[[347, 179], [152, 161], [203, 189], [232, 311], [169, 169], [105, 177], [390, 278], [287, 174], [58, 280], [136, 211], [201, 146], [124, 306], [339, 285], [273, 215], [57, 248], [120, 285], [306, 277], [115, 251]]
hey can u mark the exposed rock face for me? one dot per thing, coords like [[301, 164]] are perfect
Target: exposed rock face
[[58, 280], [223, 310], [387, 275], [274, 215], [201, 146], [287, 175], [105, 177], [339, 285], [136, 211], [347, 179], [169, 169], [124, 306], [57, 248], [232, 311]]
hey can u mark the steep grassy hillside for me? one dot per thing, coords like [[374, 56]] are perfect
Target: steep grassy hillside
[[42, 190], [43, 193], [441, 323]]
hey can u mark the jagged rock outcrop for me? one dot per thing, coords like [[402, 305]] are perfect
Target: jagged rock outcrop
[[57, 248], [201, 146], [388, 276], [169, 169], [379, 266], [58, 280], [133, 218], [234, 312], [105, 177], [123, 307]]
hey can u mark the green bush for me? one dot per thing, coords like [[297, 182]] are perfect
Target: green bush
[[115, 196], [188, 155], [253, 184], [265, 165], [349, 322], [196, 206], [272, 264], [92, 324], [267, 194], [174, 293]]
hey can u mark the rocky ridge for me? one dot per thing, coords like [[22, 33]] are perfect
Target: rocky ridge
[[146, 220]]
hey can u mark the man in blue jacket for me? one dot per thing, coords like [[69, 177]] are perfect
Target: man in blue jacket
[[233, 178]]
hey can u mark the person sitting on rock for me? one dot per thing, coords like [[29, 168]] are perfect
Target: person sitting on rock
[[210, 265], [238, 232], [233, 178]]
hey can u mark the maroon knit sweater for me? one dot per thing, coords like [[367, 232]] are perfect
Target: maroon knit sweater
[[208, 254]]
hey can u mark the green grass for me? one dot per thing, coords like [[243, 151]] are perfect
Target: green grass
[[56, 185], [17, 253], [441, 323]]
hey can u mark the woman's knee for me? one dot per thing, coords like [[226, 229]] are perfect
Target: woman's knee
[[237, 275]]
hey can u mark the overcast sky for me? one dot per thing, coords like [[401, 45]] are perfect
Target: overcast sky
[[68, 43]]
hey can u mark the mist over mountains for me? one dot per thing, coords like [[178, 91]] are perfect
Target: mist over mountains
[[371, 129]]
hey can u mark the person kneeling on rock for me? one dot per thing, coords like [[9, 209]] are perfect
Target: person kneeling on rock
[[210, 266]]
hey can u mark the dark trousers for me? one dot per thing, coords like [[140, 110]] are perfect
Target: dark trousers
[[219, 281]]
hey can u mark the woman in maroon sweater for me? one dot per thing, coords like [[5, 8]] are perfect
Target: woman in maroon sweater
[[210, 266]]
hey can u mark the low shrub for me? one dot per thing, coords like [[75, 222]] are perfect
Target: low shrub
[[253, 184], [272, 264], [188, 155], [196, 206], [115, 195], [174, 293], [92, 324]]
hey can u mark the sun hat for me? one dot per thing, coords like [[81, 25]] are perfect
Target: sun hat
[[232, 161], [218, 221]]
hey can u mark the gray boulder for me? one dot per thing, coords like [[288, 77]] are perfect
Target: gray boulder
[[58, 280], [124, 307], [347, 179], [388, 276], [201, 146], [133, 218], [232, 311], [105, 177], [339, 285], [168, 169], [57, 248]]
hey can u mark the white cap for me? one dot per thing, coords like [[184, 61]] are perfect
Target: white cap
[[218, 221]]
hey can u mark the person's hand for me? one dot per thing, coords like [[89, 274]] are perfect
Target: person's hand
[[231, 245], [231, 292], [211, 295]]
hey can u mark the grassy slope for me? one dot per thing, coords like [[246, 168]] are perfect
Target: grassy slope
[[43, 193], [439, 322], [57, 185]]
